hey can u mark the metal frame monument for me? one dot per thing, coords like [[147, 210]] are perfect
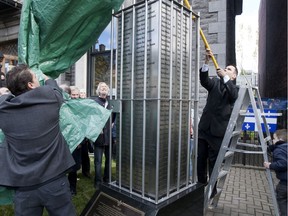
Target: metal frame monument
[[154, 90]]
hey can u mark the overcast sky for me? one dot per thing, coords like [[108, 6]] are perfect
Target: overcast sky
[[247, 36]]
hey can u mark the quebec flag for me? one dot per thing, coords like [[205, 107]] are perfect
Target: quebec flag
[[250, 122]]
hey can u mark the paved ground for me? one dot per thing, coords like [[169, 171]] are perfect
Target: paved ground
[[246, 192]]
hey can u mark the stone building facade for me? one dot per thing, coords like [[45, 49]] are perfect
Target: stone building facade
[[217, 20]]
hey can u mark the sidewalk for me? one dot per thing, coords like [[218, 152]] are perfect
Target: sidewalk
[[246, 192]]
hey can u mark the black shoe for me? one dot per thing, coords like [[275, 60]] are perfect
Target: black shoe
[[73, 192], [204, 183]]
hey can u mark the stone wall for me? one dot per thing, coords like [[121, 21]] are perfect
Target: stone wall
[[217, 20]]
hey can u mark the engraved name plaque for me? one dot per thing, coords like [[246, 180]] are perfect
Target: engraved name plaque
[[105, 205]]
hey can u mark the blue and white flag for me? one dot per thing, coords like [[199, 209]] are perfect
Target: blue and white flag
[[250, 122]]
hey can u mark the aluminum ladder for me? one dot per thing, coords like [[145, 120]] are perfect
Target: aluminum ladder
[[246, 96]]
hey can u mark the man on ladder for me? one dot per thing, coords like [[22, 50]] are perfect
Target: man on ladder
[[222, 93], [222, 153]]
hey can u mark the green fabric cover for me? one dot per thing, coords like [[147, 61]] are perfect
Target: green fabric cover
[[54, 34]]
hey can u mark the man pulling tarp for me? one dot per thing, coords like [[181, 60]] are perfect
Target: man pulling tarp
[[53, 35]]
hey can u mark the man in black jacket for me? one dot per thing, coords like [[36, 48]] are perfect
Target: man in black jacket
[[222, 93], [101, 145], [34, 157]]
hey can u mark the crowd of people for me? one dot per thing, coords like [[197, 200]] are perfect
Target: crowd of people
[[99, 147], [86, 146], [30, 112]]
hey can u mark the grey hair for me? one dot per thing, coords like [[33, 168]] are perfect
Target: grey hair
[[98, 87]]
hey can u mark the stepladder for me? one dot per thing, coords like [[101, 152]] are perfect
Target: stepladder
[[248, 96]]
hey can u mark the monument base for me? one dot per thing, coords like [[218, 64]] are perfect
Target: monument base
[[111, 201]]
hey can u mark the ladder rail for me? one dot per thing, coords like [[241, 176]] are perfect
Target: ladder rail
[[263, 142], [225, 144], [230, 141]]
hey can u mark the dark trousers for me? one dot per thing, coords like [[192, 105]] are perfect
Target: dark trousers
[[281, 192], [55, 196], [209, 153], [85, 160], [98, 154], [72, 176], [205, 153]]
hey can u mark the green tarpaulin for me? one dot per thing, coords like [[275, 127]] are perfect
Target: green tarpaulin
[[80, 118], [53, 35]]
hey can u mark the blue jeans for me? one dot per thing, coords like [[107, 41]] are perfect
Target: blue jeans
[[98, 153]]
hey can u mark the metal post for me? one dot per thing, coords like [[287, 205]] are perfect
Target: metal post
[[196, 100], [190, 96], [170, 103], [158, 106], [180, 103], [132, 100], [111, 87], [144, 100], [121, 98]]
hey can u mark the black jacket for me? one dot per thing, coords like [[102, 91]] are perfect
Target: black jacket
[[220, 101], [104, 138], [34, 150], [279, 163]]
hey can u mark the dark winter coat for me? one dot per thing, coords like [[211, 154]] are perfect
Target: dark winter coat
[[34, 150], [279, 163], [104, 138]]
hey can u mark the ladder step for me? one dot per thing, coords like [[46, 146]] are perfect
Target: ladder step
[[228, 154], [217, 195], [270, 114], [267, 139], [222, 173], [254, 87], [243, 112], [248, 145], [236, 133], [245, 151]]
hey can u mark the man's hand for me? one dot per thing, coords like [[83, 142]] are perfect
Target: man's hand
[[267, 165], [221, 72], [45, 77], [208, 56]]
